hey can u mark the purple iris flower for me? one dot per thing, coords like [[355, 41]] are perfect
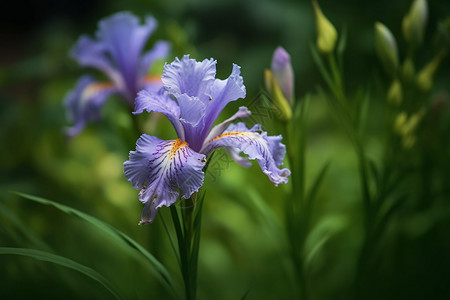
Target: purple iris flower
[[192, 99], [117, 52]]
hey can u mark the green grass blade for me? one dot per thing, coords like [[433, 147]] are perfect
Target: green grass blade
[[342, 45], [28, 234], [172, 243], [62, 261], [245, 295], [316, 184], [164, 275]]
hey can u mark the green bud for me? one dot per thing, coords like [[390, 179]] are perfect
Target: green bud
[[395, 93], [410, 126], [326, 33], [280, 102], [386, 47], [405, 127], [399, 122], [414, 22], [426, 75], [408, 70]]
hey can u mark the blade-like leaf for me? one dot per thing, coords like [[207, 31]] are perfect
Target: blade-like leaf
[[116, 234], [341, 47], [62, 261], [316, 184]]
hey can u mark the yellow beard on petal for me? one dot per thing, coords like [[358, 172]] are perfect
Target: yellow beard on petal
[[176, 145]]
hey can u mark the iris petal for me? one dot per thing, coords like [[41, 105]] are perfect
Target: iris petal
[[157, 167], [267, 150], [159, 51], [160, 102], [85, 101], [90, 53], [222, 93], [187, 76], [124, 39]]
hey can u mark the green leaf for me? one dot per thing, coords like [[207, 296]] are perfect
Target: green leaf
[[322, 69], [316, 184], [341, 47], [245, 295], [28, 234], [62, 261], [363, 109], [161, 272]]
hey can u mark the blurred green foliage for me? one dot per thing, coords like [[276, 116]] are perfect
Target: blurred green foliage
[[244, 244]]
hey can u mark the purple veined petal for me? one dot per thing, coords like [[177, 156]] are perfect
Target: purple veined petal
[[84, 102], [159, 51], [192, 109], [152, 83], [125, 39], [162, 103], [222, 93], [192, 113], [157, 167], [256, 145], [242, 113], [90, 53], [234, 153], [282, 71], [187, 76]]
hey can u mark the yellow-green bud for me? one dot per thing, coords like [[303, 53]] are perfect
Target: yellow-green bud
[[406, 128], [408, 70], [395, 93], [326, 33], [410, 126], [426, 75], [386, 47], [279, 101], [400, 121], [414, 22]]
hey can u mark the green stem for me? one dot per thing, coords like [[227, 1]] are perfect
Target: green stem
[[296, 214], [338, 89]]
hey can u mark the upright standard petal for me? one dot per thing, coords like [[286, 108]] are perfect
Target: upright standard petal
[[124, 39], [159, 51], [162, 103], [83, 103], [157, 167], [222, 93], [91, 53], [187, 76], [267, 150]]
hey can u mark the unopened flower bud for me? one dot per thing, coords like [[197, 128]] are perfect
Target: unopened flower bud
[[283, 73], [405, 127], [426, 75], [326, 33], [399, 122], [410, 126], [414, 22], [386, 47], [408, 70], [395, 93], [279, 101]]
